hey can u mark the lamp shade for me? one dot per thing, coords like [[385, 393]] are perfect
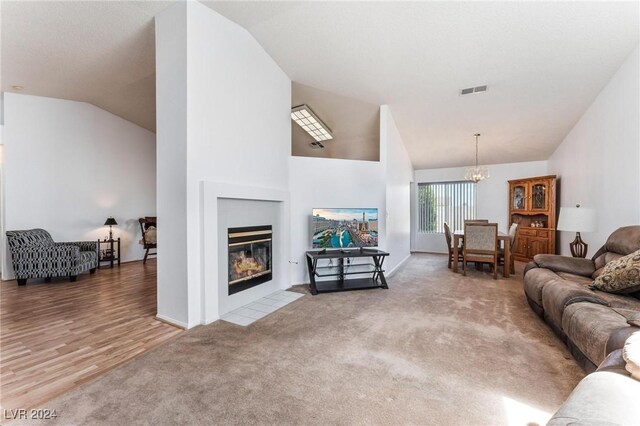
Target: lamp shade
[[577, 219], [110, 221]]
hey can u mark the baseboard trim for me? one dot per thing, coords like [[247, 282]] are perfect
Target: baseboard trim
[[172, 322], [397, 267], [428, 252]]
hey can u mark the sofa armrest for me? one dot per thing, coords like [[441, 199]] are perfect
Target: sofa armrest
[[83, 245], [531, 265], [571, 265], [618, 337]]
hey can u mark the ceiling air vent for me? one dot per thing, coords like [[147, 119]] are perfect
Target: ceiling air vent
[[472, 90]]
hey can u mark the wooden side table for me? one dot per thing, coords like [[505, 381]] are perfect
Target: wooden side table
[[109, 254]]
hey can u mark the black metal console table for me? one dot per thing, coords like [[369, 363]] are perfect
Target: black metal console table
[[341, 269]]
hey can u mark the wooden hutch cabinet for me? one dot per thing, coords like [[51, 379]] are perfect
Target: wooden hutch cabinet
[[532, 205]]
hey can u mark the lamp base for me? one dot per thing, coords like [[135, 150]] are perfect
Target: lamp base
[[578, 247]]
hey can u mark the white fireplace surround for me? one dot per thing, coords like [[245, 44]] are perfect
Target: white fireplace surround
[[215, 301]]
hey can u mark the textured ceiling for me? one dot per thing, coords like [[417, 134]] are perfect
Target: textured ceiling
[[98, 52], [544, 62]]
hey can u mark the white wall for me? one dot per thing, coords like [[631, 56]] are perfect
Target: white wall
[[69, 165], [599, 160], [327, 183], [236, 103], [171, 176], [492, 196], [399, 174]]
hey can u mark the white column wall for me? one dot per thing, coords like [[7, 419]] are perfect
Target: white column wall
[[398, 178], [232, 124]]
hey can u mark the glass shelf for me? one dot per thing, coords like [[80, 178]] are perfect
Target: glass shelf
[[333, 271]]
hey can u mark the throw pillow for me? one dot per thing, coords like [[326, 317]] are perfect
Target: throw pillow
[[151, 235], [620, 276], [631, 354]]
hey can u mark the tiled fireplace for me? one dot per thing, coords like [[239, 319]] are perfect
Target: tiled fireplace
[[244, 231]]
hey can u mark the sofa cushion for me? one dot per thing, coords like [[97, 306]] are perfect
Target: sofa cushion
[[601, 398], [151, 235], [620, 276], [589, 326], [624, 240], [582, 280], [559, 294]]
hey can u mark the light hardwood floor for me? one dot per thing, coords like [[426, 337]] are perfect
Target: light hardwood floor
[[55, 336]]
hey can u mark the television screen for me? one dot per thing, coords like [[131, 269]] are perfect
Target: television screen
[[343, 228]]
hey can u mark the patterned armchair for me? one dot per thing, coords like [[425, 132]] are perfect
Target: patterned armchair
[[36, 255]]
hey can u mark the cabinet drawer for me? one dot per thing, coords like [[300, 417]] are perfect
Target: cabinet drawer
[[526, 231], [544, 234]]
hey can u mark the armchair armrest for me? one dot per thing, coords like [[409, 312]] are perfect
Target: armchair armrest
[[83, 245], [572, 265]]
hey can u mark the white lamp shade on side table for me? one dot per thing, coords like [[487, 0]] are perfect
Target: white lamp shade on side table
[[577, 219]]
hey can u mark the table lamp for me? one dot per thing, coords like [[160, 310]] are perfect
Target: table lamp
[[577, 219], [110, 221]]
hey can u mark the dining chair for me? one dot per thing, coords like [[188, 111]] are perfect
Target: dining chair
[[513, 233], [480, 245], [472, 221], [447, 235]]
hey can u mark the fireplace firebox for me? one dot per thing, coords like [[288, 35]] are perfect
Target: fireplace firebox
[[249, 257]]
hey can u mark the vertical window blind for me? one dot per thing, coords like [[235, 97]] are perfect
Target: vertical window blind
[[450, 202]]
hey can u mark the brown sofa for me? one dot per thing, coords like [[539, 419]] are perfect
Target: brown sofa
[[592, 323]]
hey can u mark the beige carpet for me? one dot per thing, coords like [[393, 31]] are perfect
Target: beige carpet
[[436, 348]]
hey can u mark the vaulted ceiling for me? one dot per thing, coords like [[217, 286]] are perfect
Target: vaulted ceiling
[[100, 52], [544, 62]]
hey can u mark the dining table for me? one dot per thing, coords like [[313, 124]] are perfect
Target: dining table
[[458, 237]]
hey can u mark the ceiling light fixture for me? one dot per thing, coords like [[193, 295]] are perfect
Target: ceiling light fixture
[[477, 173], [311, 123], [18, 88]]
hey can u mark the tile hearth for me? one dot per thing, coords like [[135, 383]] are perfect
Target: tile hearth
[[252, 312]]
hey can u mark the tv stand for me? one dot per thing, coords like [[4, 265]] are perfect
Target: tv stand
[[338, 273]]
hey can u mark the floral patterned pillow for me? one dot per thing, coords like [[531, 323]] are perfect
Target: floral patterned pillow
[[620, 276]]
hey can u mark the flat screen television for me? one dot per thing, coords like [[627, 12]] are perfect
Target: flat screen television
[[344, 228]]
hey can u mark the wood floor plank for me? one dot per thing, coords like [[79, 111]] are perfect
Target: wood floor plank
[[56, 336]]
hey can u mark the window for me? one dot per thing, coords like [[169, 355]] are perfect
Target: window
[[451, 202]]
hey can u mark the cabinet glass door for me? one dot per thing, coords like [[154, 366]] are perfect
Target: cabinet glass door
[[539, 196], [519, 197]]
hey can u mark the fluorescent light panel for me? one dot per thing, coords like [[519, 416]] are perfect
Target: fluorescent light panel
[[311, 124]]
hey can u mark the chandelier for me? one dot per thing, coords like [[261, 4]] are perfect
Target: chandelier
[[477, 173]]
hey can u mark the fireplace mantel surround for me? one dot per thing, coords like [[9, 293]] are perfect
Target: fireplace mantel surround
[[217, 199]]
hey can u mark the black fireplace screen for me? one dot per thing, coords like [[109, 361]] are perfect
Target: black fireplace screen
[[249, 257]]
